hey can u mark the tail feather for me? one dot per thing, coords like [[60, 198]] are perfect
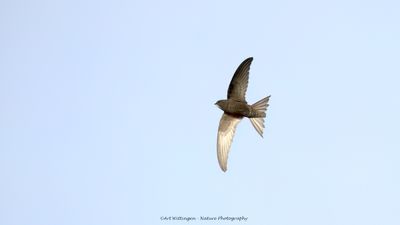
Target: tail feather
[[261, 108], [258, 124]]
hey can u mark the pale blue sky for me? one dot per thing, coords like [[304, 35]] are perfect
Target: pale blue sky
[[108, 117]]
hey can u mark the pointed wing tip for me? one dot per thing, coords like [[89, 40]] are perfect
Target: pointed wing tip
[[223, 168]]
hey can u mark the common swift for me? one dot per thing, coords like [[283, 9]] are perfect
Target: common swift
[[235, 108]]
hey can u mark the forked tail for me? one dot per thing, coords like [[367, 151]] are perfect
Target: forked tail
[[260, 107]]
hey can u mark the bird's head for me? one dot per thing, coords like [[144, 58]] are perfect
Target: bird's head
[[220, 103]]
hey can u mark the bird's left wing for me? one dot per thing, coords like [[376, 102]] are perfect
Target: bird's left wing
[[238, 86], [226, 131]]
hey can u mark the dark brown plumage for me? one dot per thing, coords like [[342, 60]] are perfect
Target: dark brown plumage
[[235, 108]]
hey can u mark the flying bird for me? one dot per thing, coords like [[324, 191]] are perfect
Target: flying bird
[[235, 108]]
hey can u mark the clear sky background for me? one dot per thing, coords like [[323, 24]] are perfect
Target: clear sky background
[[107, 112]]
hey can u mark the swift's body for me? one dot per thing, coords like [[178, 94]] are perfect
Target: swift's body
[[235, 108]]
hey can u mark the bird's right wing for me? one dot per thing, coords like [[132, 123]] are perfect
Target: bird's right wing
[[238, 86], [226, 131]]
